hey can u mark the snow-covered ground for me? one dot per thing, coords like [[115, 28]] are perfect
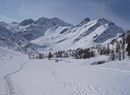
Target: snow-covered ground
[[10, 62], [20, 76]]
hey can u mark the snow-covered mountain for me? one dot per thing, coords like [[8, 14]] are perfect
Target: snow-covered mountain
[[9, 39], [17, 35], [85, 34], [55, 34], [34, 29]]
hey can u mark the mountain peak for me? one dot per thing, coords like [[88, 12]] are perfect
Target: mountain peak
[[86, 20], [55, 18], [51, 21], [103, 21], [26, 22]]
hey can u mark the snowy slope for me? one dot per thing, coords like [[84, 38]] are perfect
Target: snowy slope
[[8, 38], [6, 54], [86, 34], [9, 62], [51, 37], [14, 41], [70, 77]]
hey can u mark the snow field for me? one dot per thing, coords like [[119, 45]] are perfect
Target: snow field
[[71, 77]]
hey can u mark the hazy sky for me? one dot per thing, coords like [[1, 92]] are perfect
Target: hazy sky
[[72, 11]]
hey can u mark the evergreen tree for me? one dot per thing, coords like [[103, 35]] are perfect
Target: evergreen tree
[[128, 46], [113, 55], [49, 55], [123, 46]]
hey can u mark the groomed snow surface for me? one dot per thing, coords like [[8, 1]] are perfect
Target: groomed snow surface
[[21, 76]]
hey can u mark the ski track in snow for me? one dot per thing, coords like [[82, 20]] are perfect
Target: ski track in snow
[[74, 87], [9, 82], [78, 88], [53, 72], [114, 71]]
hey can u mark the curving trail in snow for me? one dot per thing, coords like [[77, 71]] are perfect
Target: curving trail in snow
[[68, 77], [9, 82]]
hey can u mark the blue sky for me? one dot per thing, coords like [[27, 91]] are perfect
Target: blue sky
[[72, 11]]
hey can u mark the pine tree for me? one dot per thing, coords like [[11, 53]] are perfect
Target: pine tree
[[113, 55], [123, 46], [49, 55], [128, 46]]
